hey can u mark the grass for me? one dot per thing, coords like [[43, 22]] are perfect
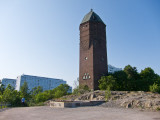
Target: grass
[[36, 104]]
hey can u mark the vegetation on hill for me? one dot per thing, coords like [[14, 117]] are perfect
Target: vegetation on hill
[[34, 97], [130, 80]]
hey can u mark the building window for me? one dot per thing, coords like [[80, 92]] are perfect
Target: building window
[[86, 76]]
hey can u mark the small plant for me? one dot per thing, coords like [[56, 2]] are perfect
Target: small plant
[[107, 94], [158, 108], [81, 90], [155, 88]]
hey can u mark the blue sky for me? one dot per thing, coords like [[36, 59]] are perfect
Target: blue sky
[[41, 37]]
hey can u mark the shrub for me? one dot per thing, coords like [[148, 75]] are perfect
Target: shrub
[[155, 88], [107, 94], [106, 82], [81, 90]]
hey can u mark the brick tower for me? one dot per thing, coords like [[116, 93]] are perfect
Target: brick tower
[[93, 52]]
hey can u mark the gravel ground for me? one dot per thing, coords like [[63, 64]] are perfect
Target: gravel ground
[[80, 113]]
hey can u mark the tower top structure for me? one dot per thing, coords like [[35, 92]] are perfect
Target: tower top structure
[[91, 16]]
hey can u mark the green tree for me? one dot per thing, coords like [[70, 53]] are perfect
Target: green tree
[[24, 90], [121, 80], [0, 98], [148, 78], [7, 96], [11, 96], [2, 88], [57, 92], [133, 78], [61, 90], [36, 90], [107, 82], [33, 93], [42, 97]]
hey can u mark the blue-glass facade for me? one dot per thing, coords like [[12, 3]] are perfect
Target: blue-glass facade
[[35, 81], [7, 81]]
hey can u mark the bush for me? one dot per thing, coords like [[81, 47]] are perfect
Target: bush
[[155, 88], [107, 94], [0, 98], [107, 82], [35, 97], [41, 97], [81, 90], [57, 92]]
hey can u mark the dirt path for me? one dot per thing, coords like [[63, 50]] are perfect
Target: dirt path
[[81, 113]]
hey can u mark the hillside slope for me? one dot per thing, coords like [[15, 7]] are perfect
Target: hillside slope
[[133, 99]]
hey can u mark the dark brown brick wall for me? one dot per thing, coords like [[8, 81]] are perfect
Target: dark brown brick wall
[[93, 54]]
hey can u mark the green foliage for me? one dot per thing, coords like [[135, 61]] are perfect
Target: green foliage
[[36, 104], [148, 77], [2, 88], [0, 98], [41, 97], [61, 90], [11, 96], [107, 82], [33, 93], [35, 97], [121, 80], [130, 80], [107, 94], [58, 92], [76, 90], [158, 108], [81, 90], [24, 90], [155, 88], [8, 94], [36, 90]]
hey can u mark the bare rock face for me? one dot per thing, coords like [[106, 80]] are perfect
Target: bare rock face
[[142, 100], [126, 99]]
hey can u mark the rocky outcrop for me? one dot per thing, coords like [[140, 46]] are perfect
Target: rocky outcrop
[[135, 99], [142, 100]]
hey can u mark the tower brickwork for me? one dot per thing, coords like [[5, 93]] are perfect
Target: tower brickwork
[[93, 52]]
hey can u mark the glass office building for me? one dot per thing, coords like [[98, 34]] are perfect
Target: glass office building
[[7, 81], [35, 81]]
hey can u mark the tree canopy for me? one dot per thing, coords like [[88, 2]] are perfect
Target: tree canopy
[[130, 80]]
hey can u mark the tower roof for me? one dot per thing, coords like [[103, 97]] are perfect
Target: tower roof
[[91, 16]]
